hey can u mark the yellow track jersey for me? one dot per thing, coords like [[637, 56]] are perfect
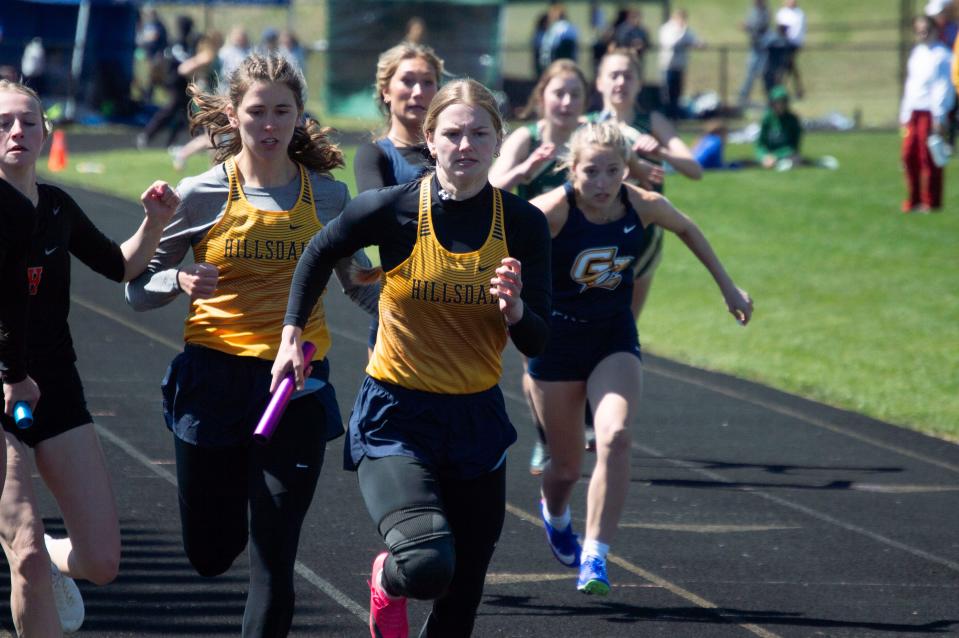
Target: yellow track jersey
[[256, 252], [440, 329]]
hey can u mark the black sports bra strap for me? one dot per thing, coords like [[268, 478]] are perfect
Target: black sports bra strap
[[570, 195]]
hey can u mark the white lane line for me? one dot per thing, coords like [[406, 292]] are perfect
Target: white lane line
[[359, 611], [176, 346], [915, 551], [315, 579], [653, 368], [808, 511], [707, 528], [799, 416], [312, 577], [650, 577]]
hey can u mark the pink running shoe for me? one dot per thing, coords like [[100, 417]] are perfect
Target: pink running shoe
[[387, 615]]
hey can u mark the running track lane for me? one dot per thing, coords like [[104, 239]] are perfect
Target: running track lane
[[752, 513]]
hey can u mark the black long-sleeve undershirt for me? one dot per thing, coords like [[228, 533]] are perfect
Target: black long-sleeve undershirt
[[17, 222], [62, 230], [387, 218]]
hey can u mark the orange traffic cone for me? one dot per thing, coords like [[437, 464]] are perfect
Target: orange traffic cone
[[58, 152]]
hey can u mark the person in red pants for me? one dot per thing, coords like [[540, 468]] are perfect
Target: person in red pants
[[927, 98]]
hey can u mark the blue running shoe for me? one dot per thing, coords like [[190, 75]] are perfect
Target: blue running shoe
[[592, 577], [564, 543]]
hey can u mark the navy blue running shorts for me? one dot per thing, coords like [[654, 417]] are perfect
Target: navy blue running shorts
[[576, 347], [62, 405], [462, 436], [215, 399]]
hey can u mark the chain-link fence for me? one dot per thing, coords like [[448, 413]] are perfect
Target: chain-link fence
[[860, 82]]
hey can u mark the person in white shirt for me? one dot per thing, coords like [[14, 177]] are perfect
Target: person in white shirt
[[927, 97], [675, 40], [794, 19]]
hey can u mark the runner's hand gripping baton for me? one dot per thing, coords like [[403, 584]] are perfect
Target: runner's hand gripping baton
[[281, 396], [22, 415]]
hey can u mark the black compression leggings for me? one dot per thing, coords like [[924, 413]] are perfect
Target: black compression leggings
[[258, 492], [441, 533]]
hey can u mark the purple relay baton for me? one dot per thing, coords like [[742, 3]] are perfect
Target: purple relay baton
[[281, 396]]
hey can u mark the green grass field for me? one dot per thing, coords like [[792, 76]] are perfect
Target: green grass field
[[856, 304]]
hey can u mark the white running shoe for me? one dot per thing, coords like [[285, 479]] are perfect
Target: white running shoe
[[67, 596], [785, 164]]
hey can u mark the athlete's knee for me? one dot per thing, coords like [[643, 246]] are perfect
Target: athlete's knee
[[421, 544], [101, 567], [566, 472], [424, 571], [209, 561], [209, 566], [614, 439]]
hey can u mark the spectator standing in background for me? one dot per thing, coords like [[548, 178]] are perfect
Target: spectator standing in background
[[152, 37], [33, 64], [152, 40], [675, 40], [539, 32], [927, 98], [174, 114], [233, 52], [204, 69], [290, 48], [777, 51], [560, 39], [941, 12], [631, 34], [605, 39], [269, 42], [794, 19], [756, 26]]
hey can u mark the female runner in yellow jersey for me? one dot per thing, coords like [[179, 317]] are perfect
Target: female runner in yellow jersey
[[466, 266], [248, 221]]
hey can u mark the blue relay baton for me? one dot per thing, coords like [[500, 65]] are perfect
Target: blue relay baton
[[22, 415]]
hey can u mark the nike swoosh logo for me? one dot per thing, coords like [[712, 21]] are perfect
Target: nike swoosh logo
[[56, 211], [297, 227], [49, 251], [628, 229], [482, 268], [301, 466]]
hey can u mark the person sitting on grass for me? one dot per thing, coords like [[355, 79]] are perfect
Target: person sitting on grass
[[780, 133], [708, 150]]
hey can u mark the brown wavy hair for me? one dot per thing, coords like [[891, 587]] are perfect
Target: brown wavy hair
[[311, 144]]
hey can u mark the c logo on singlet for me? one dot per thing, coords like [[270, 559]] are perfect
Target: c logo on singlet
[[599, 268], [33, 277]]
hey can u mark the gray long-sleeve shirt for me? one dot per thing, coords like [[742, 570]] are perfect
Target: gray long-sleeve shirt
[[203, 200]]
